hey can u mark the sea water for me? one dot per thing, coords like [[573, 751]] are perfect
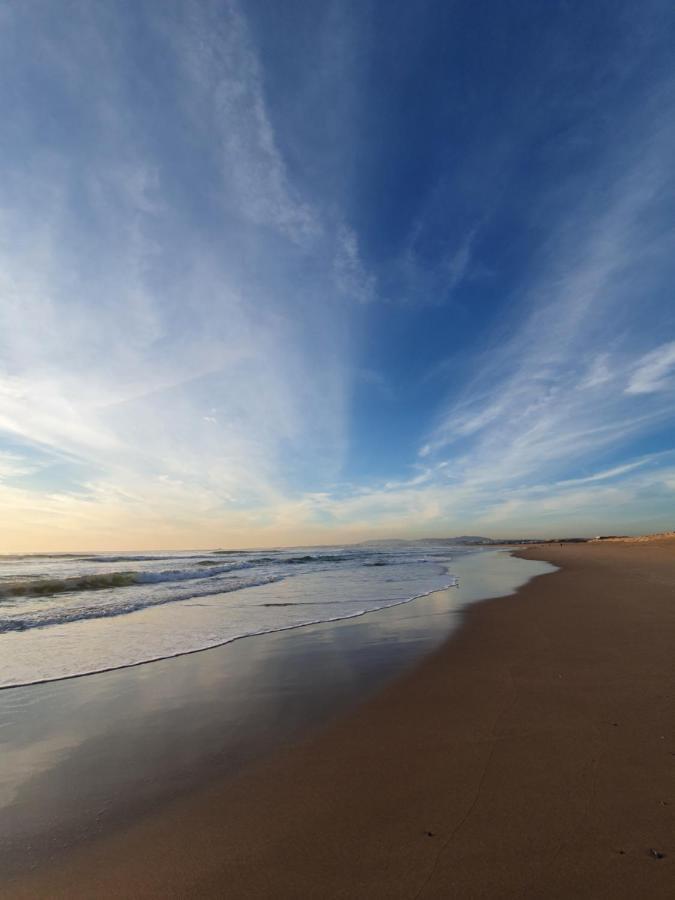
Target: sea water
[[63, 615]]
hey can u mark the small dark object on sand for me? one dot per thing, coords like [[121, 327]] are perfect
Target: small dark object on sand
[[429, 833], [657, 854]]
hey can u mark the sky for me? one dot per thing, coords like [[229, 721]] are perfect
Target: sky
[[308, 273]]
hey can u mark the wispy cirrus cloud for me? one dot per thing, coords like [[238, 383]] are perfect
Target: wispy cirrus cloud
[[655, 371], [550, 428], [222, 100], [158, 269], [13, 465], [557, 391]]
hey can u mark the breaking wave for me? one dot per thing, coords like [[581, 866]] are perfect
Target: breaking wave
[[120, 605], [40, 586]]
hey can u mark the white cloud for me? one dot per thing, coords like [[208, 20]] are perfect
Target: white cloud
[[606, 474], [547, 401], [537, 408], [351, 277], [654, 371], [13, 465], [215, 52], [598, 373], [141, 298]]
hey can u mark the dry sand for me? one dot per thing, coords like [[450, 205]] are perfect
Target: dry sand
[[533, 756]]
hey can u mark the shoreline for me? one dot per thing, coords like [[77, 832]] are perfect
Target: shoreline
[[223, 643], [240, 637], [134, 738], [531, 755]]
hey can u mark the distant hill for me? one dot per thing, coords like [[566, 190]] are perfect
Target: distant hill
[[462, 539]]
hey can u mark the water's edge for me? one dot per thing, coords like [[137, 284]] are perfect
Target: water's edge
[[224, 643], [131, 739]]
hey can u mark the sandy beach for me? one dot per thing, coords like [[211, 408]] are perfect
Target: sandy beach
[[532, 755]]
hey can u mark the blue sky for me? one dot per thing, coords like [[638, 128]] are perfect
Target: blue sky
[[314, 272]]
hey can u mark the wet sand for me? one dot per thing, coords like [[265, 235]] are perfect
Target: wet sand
[[532, 755], [82, 757]]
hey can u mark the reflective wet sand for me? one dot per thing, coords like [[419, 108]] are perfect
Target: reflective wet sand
[[89, 754]]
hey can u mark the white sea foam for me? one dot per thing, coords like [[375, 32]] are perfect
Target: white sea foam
[[179, 603]]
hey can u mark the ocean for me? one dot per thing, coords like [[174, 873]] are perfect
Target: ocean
[[63, 615]]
